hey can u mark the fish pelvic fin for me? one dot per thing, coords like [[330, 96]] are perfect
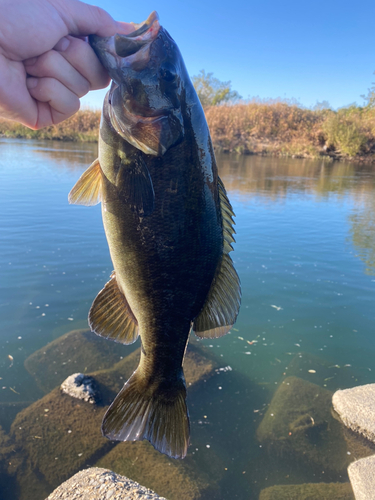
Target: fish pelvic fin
[[222, 305], [155, 412], [110, 315], [88, 189], [227, 215]]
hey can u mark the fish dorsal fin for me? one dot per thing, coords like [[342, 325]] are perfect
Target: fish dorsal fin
[[88, 189], [110, 315], [227, 215], [221, 308]]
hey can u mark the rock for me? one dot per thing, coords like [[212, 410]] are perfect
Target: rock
[[356, 408], [357, 445], [7, 487], [298, 425], [83, 351], [101, 484], [362, 478], [80, 386], [174, 479], [76, 351], [17, 480], [60, 435], [313, 491]]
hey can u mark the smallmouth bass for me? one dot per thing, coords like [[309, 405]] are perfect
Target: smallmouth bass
[[169, 226]]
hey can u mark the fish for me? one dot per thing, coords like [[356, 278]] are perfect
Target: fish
[[169, 227]]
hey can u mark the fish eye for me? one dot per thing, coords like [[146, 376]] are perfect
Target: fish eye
[[168, 72]]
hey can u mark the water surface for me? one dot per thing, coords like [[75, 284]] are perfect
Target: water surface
[[305, 254]]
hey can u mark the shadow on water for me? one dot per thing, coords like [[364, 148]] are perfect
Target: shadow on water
[[305, 255]]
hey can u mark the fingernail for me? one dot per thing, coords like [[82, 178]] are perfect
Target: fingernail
[[62, 44], [31, 83]]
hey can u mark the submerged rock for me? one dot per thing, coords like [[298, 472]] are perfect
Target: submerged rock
[[101, 484], [356, 408], [318, 491], [362, 478], [60, 435], [80, 386], [174, 479], [17, 479], [298, 425], [76, 351]]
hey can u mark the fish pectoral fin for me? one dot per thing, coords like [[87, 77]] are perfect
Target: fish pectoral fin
[[110, 315], [158, 414], [221, 308], [88, 189], [136, 187], [227, 215]]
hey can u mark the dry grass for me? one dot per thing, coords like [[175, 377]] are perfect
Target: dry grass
[[81, 127], [273, 127]]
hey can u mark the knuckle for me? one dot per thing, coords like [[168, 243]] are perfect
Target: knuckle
[[46, 62], [84, 88]]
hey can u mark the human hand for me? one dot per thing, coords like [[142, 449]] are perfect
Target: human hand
[[46, 64]]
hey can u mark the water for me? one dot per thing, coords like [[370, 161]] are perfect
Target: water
[[305, 253]]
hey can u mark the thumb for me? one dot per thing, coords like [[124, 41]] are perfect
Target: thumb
[[83, 19]]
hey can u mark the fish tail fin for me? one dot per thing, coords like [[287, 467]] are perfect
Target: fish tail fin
[[156, 412]]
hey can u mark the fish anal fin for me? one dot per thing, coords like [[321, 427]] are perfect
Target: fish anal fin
[[88, 189], [222, 305], [140, 412], [110, 315]]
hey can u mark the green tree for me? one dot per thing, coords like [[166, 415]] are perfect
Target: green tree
[[211, 91]]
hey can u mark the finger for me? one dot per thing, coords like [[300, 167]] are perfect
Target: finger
[[62, 102], [84, 19], [52, 64], [81, 56]]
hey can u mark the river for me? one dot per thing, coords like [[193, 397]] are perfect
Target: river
[[305, 253]]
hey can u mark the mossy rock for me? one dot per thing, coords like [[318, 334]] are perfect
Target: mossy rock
[[81, 351], [17, 480], [318, 491], [60, 435], [76, 351], [43, 435], [6, 489], [321, 372], [173, 479], [298, 424]]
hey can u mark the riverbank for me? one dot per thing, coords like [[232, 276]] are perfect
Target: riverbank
[[263, 128]]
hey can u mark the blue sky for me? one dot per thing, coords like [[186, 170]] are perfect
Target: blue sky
[[310, 51]]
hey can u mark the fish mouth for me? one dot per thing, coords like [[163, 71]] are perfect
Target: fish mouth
[[139, 114], [131, 50]]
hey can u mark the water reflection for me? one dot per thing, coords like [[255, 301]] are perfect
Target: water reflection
[[362, 231], [275, 177]]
